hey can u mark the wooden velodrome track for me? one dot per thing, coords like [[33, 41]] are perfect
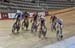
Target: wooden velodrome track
[[27, 40]]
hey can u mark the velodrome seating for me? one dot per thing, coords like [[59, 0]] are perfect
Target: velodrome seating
[[28, 6]]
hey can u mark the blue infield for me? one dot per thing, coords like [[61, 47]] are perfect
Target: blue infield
[[67, 43]]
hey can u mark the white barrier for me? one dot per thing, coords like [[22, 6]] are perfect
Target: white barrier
[[0, 15], [11, 15]]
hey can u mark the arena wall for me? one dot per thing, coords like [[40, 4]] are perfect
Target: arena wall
[[5, 15]]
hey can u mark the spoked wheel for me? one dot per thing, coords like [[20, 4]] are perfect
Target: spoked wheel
[[25, 24], [15, 29], [42, 32], [34, 28], [59, 35]]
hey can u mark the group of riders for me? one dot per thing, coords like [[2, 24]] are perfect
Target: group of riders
[[38, 24]]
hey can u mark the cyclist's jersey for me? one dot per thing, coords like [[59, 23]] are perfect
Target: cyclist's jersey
[[60, 21], [42, 21]]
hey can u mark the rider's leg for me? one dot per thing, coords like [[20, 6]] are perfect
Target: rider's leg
[[32, 27], [18, 28], [13, 30], [44, 34], [61, 35], [27, 25], [40, 33], [52, 27], [23, 25], [57, 35]]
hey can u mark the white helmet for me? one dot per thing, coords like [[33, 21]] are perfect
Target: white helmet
[[18, 11]]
